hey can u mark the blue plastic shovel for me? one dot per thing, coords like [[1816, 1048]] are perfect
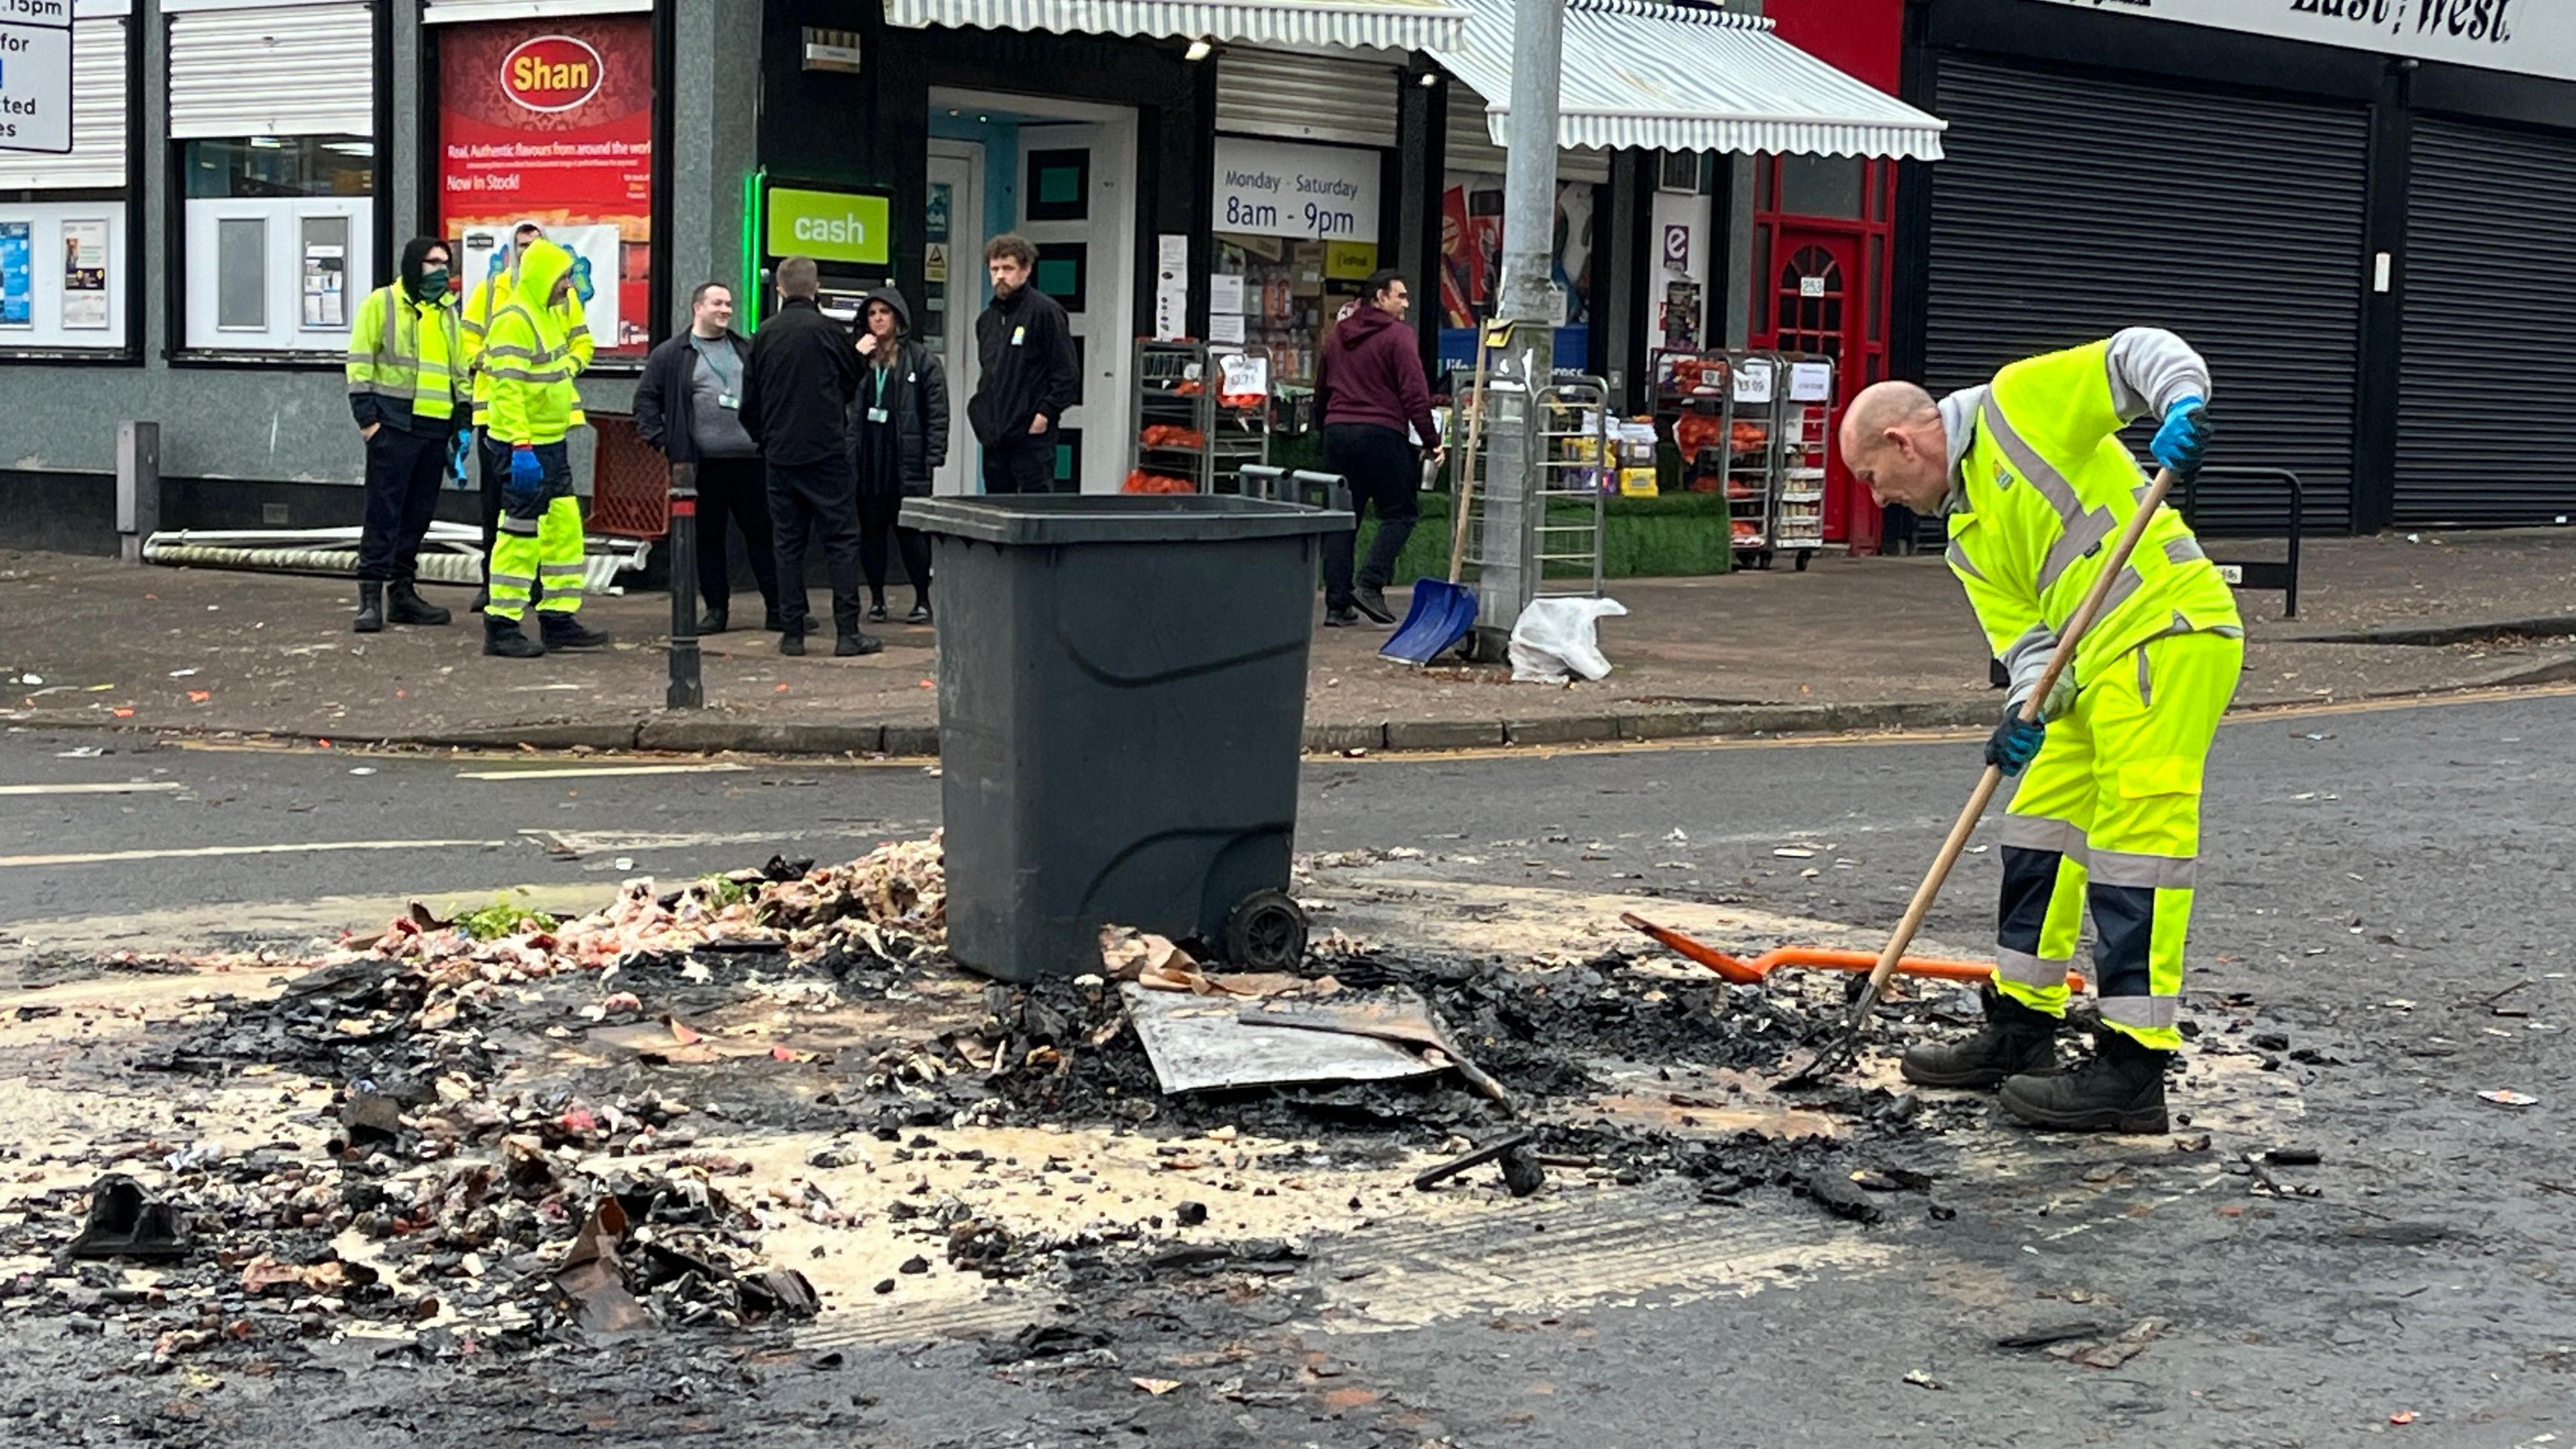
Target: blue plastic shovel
[[1445, 613]]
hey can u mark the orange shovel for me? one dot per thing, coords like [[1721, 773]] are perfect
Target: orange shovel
[[1752, 973]]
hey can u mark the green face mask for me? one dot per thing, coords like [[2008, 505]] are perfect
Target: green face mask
[[433, 283]]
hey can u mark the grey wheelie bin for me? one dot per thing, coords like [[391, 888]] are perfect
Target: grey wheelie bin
[[1122, 704]]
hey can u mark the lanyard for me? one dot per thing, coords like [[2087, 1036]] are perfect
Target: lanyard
[[709, 358]]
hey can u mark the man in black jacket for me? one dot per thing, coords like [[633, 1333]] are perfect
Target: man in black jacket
[[689, 406], [795, 404], [1026, 344]]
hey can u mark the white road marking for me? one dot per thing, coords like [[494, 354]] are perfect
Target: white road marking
[[130, 788], [594, 843], [106, 857], [576, 772]]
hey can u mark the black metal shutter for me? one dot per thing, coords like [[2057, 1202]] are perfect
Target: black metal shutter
[[2490, 317], [2071, 206]]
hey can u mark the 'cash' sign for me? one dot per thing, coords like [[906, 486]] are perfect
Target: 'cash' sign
[[2532, 37]]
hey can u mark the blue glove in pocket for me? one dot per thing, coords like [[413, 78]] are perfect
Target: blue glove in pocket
[[527, 481], [2183, 442], [2015, 743]]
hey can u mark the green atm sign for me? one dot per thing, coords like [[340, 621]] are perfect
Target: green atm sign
[[830, 226]]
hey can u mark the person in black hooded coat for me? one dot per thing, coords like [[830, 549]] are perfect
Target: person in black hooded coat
[[898, 439]]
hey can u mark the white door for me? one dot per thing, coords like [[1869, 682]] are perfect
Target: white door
[[953, 292], [1077, 201]]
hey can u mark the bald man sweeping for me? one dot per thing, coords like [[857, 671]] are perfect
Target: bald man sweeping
[[2033, 481]]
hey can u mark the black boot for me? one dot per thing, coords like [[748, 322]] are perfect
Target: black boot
[[404, 605], [2120, 1088], [2014, 1040], [853, 643], [502, 639], [714, 621], [565, 631], [482, 600], [371, 607]]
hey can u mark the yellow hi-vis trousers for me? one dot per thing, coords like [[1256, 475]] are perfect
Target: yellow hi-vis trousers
[[539, 538], [2109, 813]]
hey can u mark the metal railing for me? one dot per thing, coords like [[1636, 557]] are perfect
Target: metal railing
[[2278, 574]]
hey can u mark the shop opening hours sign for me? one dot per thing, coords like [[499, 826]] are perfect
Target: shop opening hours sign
[[36, 76], [551, 122], [1271, 188]]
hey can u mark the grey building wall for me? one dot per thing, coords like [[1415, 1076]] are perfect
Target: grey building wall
[[289, 423]]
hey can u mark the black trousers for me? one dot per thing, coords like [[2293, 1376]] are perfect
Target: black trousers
[[877, 512], [1023, 465], [1386, 474], [735, 489], [824, 498], [404, 473]]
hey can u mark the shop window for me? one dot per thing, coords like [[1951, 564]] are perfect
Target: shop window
[[1297, 234], [1471, 248], [550, 121], [1064, 273], [1821, 186], [279, 225], [63, 253]]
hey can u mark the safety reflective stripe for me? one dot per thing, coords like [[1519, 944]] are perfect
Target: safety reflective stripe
[[2029, 970], [510, 524], [2184, 550], [2052, 485], [2041, 832], [2143, 872], [560, 570], [578, 329], [2129, 582], [530, 374], [2082, 535], [2146, 1013], [2146, 680], [521, 582], [1958, 556]]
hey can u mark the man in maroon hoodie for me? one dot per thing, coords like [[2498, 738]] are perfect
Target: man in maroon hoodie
[[1369, 389]]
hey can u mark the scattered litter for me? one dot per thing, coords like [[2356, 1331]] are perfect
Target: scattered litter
[[1921, 1380], [181, 673], [1555, 640], [2061, 1333], [1793, 852], [1199, 1044], [81, 752], [2110, 1353], [126, 1222], [1156, 1387], [2506, 1097], [2402, 1417], [1521, 1171], [362, 769]]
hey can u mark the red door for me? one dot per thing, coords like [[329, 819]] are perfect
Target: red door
[[1817, 292]]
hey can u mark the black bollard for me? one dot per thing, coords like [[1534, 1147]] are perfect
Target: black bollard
[[687, 691]]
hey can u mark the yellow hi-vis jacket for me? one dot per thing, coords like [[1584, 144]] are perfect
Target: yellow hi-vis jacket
[[2047, 486], [404, 359], [485, 303], [528, 360]]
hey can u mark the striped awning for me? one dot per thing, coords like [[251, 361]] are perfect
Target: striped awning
[[1680, 78], [1379, 24]]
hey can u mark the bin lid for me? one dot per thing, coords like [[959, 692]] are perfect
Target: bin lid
[[1045, 519]]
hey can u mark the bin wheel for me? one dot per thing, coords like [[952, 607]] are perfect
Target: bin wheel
[[1266, 931], [1763, 561], [1803, 556]]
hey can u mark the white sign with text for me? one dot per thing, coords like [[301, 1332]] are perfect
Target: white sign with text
[[36, 76], [1273, 188], [2530, 37]]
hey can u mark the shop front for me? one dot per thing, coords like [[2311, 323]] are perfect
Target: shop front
[[2370, 252]]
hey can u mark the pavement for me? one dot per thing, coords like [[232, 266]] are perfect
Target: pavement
[[1849, 644], [2414, 1283]]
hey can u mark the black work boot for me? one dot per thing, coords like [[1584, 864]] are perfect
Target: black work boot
[[714, 621], [566, 631], [371, 607], [2120, 1088], [1371, 600], [502, 639], [852, 643], [404, 605], [2014, 1040]]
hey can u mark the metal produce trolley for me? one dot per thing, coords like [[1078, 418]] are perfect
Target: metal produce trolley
[[1187, 431]]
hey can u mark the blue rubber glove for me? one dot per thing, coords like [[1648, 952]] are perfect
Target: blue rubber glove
[[460, 451], [527, 478], [2183, 442], [581, 284], [2015, 743]]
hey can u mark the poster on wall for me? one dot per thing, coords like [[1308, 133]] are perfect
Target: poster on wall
[[323, 287], [17, 275], [1471, 249], [85, 275], [551, 122]]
